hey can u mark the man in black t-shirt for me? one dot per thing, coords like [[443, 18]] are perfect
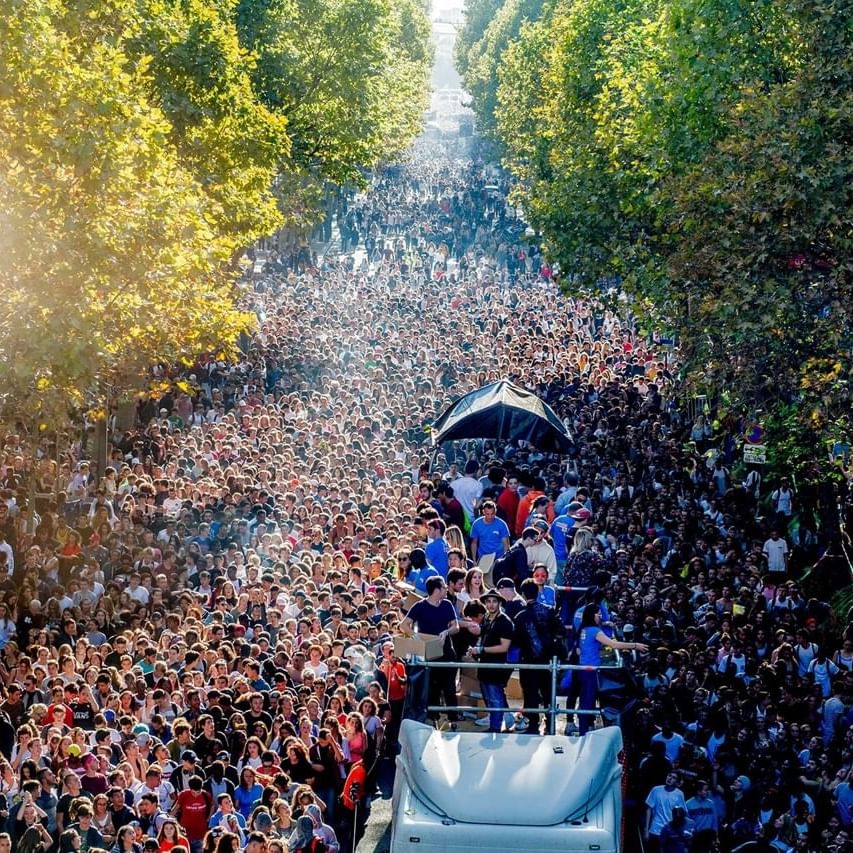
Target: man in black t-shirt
[[436, 615], [82, 704], [496, 632], [256, 713]]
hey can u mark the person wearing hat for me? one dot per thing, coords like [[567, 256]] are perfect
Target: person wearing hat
[[188, 768], [511, 602], [495, 638]]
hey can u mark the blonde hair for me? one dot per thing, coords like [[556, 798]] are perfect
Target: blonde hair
[[583, 540]]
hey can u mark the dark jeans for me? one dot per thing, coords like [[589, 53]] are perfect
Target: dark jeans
[[442, 691], [494, 696], [536, 690], [329, 795], [588, 683], [392, 731], [703, 841]]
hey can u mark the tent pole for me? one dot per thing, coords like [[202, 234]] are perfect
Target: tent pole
[[433, 456]]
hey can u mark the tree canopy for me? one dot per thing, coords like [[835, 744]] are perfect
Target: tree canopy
[[143, 145], [350, 79], [698, 151]]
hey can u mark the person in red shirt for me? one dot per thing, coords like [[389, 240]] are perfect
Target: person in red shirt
[[525, 504], [507, 504], [192, 809], [394, 671], [60, 715]]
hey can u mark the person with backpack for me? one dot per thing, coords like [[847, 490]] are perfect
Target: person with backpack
[[514, 563], [782, 501], [539, 635]]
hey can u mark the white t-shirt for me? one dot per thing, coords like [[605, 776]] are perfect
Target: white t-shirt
[[672, 744], [139, 594], [165, 794], [662, 802], [775, 549], [467, 491], [783, 500], [823, 673]]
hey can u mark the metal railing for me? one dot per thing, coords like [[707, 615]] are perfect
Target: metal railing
[[555, 668]]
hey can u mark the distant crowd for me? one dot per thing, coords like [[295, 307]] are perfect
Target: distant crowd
[[198, 644]]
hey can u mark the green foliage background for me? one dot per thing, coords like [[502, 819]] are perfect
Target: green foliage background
[[700, 150]]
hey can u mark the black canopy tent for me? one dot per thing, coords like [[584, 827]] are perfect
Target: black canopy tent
[[503, 411]]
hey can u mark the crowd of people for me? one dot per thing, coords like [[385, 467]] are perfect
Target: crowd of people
[[198, 643]]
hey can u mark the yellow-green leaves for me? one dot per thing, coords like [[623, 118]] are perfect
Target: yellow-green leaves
[[143, 144], [109, 261]]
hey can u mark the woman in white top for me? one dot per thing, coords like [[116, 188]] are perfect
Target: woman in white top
[[843, 658], [251, 755]]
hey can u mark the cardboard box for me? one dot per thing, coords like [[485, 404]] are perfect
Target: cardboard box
[[470, 684], [513, 688], [469, 687], [426, 646], [411, 596], [485, 565]]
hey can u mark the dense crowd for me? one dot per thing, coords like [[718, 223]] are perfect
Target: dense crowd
[[198, 643]]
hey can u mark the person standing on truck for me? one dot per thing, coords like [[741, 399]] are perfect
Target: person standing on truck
[[539, 635], [590, 640], [436, 615], [496, 632]]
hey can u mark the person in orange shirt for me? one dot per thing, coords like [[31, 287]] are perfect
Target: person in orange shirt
[[394, 671], [525, 505]]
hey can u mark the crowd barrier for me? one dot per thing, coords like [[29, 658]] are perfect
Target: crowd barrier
[[555, 668]]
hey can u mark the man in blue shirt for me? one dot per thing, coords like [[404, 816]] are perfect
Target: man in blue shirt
[[561, 536], [437, 548], [489, 534]]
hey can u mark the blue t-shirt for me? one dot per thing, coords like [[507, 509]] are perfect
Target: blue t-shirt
[[245, 798], [490, 537], [560, 528], [418, 577], [590, 648], [547, 596], [436, 551], [430, 618]]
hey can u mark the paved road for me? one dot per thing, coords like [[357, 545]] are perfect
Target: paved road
[[377, 837]]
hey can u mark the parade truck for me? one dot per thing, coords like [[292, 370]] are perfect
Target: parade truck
[[464, 791]]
